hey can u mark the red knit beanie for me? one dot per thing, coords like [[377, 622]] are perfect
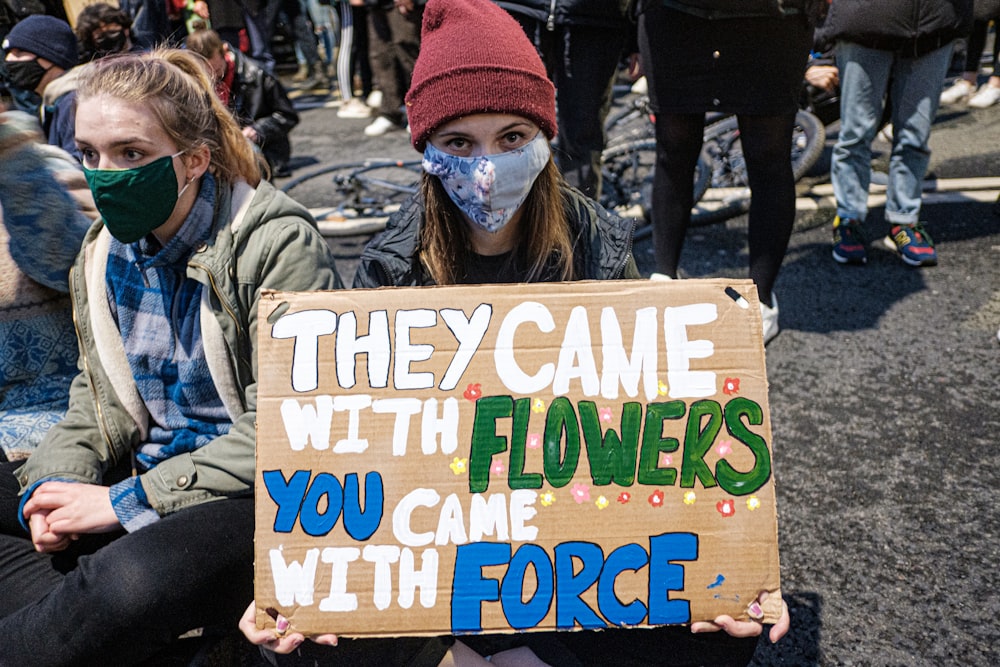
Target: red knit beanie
[[475, 58]]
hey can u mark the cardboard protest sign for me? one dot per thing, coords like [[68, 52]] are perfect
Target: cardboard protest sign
[[509, 458]]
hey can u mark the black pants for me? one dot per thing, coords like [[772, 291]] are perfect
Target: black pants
[[120, 598], [393, 43], [582, 62]]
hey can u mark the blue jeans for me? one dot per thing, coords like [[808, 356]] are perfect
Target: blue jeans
[[120, 598], [865, 77]]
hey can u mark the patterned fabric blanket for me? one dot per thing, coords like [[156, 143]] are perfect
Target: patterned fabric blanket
[[38, 353]]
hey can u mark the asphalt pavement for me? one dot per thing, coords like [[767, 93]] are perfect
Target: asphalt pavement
[[885, 404]]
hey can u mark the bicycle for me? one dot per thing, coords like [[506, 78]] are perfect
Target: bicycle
[[721, 190], [363, 194]]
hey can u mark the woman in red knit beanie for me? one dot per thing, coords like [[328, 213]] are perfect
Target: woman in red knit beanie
[[493, 206]]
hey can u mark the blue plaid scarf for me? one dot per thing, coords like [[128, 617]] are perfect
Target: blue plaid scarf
[[156, 307]]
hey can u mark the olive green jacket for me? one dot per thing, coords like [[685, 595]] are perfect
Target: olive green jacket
[[262, 240]]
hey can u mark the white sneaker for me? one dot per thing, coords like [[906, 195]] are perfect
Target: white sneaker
[[986, 97], [374, 99], [380, 126], [769, 319], [354, 108], [957, 91]]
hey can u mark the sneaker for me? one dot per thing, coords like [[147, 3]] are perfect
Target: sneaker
[[380, 126], [354, 108], [957, 91], [374, 99], [915, 247], [986, 97], [848, 241], [769, 319], [301, 74]]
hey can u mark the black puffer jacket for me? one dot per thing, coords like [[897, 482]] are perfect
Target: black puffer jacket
[[569, 12], [730, 9], [907, 27], [603, 245], [258, 99]]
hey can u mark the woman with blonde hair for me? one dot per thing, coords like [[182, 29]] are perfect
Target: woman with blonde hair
[[132, 523]]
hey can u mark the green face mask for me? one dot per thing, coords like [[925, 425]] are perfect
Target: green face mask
[[134, 202]]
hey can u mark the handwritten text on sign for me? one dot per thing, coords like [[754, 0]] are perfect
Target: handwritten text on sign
[[500, 460]]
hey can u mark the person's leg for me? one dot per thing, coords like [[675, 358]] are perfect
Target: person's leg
[[136, 595], [381, 57], [864, 76], [975, 45], [767, 147], [916, 88], [305, 43], [678, 143], [404, 32], [25, 575], [361, 63], [988, 94], [586, 59], [9, 499], [965, 85], [322, 18], [345, 80]]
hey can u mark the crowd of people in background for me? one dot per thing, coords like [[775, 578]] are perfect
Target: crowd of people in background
[[522, 85]]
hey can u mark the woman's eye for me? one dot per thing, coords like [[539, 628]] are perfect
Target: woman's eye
[[89, 156], [131, 154]]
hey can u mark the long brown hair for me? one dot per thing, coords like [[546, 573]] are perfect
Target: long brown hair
[[545, 246], [175, 85]]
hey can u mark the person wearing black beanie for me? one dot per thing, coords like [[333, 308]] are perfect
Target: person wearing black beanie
[[38, 52]]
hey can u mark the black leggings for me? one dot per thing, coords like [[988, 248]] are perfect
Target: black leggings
[[767, 146], [976, 45], [117, 598]]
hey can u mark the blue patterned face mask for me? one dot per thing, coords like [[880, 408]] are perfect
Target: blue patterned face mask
[[489, 188]]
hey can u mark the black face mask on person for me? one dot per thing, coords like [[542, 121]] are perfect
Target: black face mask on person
[[23, 74], [109, 42]]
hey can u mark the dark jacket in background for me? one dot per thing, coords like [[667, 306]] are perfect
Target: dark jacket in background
[[569, 12], [908, 27], [603, 245], [258, 99]]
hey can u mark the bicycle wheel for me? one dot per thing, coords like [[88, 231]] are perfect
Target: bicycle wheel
[[729, 170], [356, 197], [627, 177], [808, 140], [633, 122], [729, 194]]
